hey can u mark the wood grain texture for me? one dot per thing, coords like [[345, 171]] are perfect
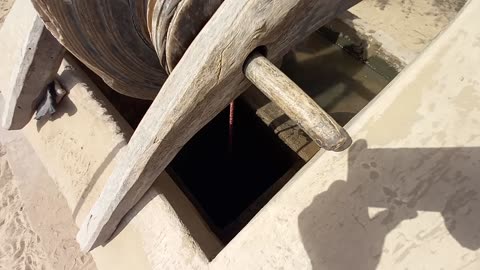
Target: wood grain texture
[[139, 18], [295, 103], [190, 17], [205, 80], [109, 37], [176, 24], [159, 16]]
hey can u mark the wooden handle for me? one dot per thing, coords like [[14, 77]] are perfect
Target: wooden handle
[[295, 103]]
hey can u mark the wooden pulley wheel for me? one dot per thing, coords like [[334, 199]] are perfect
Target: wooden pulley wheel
[[102, 34], [159, 16], [189, 19], [114, 38]]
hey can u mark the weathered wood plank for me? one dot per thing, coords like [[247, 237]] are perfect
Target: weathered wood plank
[[295, 103], [205, 80], [31, 61]]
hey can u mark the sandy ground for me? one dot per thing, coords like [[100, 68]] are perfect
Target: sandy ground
[[20, 246], [44, 213]]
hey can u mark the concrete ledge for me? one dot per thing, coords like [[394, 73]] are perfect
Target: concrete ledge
[[78, 148], [405, 196], [394, 31], [81, 140]]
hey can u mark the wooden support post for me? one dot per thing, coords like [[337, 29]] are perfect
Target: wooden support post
[[295, 103], [31, 61], [206, 79]]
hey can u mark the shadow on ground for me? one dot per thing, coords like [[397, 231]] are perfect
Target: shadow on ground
[[400, 182]]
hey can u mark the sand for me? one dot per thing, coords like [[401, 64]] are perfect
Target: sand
[[21, 247]]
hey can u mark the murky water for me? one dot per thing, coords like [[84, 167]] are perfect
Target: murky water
[[339, 83]]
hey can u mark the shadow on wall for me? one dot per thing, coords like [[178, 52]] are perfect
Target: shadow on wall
[[402, 182], [65, 107]]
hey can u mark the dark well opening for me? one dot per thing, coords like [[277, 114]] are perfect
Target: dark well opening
[[226, 180], [229, 184]]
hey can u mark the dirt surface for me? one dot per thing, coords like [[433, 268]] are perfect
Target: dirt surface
[[20, 246]]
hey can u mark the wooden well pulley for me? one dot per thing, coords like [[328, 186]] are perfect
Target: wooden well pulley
[[132, 44], [192, 57]]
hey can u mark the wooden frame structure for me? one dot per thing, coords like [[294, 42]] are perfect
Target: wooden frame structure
[[206, 79], [221, 63]]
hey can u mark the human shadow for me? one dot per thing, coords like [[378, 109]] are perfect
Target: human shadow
[[339, 232]]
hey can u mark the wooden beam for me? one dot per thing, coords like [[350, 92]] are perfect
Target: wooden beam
[[31, 61], [205, 80]]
